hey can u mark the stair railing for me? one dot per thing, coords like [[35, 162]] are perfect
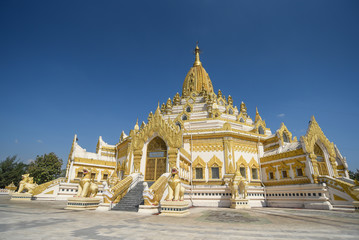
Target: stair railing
[[350, 189], [42, 187], [153, 195], [117, 192]]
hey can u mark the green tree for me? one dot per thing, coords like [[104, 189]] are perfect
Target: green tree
[[45, 168], [354, 175], [11, 171]]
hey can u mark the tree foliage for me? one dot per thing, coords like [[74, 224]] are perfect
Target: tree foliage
[[354, 175], [45, 168], [11, 171]]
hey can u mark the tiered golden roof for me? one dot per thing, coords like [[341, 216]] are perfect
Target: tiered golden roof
[[197, 79]]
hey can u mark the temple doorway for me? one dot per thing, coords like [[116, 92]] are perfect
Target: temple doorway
[[156, 159]]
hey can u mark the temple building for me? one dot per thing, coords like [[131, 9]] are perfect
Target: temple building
[[203, 134]]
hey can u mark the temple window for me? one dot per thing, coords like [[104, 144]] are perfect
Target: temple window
[[230, 111], [271, 175], [215, 172], [93, 175], [241, 120], [284, 174], [184, 117], [105, 176], [215, 167], [299, 172], [254, 173], [198, 168], [285, 138], [188, 109], [243, 171], [260, 130], [199, 173], [80, 174]]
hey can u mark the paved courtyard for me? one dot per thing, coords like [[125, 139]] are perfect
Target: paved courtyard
[[49, 220]]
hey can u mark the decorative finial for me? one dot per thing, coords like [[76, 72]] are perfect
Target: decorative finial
[[136, 126], [197, 51], [258, 117]]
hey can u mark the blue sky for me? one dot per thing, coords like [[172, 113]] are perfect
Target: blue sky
[[94, 67]]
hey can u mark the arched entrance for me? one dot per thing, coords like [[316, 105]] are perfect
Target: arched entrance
[[156, 159], [322, 166]]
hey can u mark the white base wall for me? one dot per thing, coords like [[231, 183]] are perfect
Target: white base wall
[[311, 196], [63, 191], [220, 196]]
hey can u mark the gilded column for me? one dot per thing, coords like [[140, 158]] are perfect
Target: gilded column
[[137, 156], [172, 157], [227, 146], [334, 166], [315, 174]]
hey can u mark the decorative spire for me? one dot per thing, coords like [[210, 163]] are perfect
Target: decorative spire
[[258, 117], [137, 128], [243, 109], [197, 51]]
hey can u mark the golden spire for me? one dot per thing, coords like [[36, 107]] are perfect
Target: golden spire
[[137, 128], [197, 62], [197, 79], [258, 117]]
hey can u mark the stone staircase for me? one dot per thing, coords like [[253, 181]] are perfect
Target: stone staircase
[[131, 201]]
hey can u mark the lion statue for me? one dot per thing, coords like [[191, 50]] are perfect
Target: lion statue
[[175, 188], [87, 188], [27, 184], [238, 186]]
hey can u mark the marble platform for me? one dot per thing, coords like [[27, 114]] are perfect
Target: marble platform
[[82, 203], [174, 208]]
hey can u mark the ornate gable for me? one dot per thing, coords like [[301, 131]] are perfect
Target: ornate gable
[[167, 130], [198, 162], [315, 134], [283, 129]]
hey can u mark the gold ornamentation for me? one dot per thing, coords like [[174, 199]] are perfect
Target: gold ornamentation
[[278, 156], [185, 153], [276, 146], [176, 99], [243, 111], [210, 145], [287, 181], [94, 161]]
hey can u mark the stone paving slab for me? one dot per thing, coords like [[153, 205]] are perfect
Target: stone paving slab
[[49, 220]]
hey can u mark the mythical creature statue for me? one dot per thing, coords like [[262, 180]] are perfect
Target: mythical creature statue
[[175, 188], [27, 184], [87, 188], [238, 186]]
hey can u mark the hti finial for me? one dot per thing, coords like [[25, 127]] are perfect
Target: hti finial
[[197, 51]]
